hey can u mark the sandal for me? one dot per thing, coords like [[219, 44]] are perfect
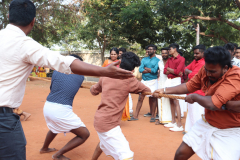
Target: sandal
[[152, 120], [133, 119]]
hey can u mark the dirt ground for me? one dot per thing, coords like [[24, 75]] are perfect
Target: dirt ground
[[147, 141]]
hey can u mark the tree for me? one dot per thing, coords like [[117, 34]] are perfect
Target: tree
[[219, 19], [100, 30], [54, 20]]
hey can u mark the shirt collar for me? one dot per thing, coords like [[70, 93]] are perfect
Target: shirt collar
[[16, 29], [202, 59], [177, 56]]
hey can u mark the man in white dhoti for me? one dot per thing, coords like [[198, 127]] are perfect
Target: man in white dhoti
[[195, 110], [217, 135], [164, 108], [174, 70], [149, 70]]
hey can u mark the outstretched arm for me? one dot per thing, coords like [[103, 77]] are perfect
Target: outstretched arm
[[82, 68]]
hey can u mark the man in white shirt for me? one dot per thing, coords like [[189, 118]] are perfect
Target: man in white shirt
[[230, 47], [18, 55]]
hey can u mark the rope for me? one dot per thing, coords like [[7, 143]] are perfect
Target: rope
[[144, 93], [165, 95]]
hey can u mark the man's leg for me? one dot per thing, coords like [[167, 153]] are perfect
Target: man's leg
[[184, 152], [12, 138], [177, 106], [173, 110], [97, 152], [139, 105], [153, 106], [82, 135], [49, 138]]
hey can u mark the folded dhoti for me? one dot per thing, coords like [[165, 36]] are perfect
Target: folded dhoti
[[152, 84], [114, 144], [209, 142]]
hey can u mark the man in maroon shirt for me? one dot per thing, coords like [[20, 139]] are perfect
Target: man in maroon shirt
[[195, 110], [174, 69]]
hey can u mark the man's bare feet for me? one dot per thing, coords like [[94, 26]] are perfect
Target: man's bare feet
[[157, 123], [61, 157], [26, 116], [47, 150]]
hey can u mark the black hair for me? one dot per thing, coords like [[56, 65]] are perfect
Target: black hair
[[218, 55], [152, 45], [165, 48], [235, 45], [76, 56], [146, 47], [238, 48], [175, 45], [229, 46], [201, 47], [129, 61], [21, 12], [122, 49], [114, 49]]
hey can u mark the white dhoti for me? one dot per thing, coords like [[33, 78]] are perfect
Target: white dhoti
[[114, 144], [152, 84], [164, 110], [164, 107], [194, 113], [209, 142], [60, 118]]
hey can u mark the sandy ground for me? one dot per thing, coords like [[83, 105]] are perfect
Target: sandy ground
[[147, 141]]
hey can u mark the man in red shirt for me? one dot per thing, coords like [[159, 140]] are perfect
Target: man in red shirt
[[195, 110], [174, 69], [217, 135]]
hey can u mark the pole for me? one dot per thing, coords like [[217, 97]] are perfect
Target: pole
[[197, 36]]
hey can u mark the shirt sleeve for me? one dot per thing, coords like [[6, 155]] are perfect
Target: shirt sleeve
[[166, 66], [34, 53], [194, 84], [97, 88], [180, 66], [155, 68], [189, 66], [137, 86], [227, 90], [141, 68]]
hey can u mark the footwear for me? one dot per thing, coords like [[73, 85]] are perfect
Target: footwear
[[157, 117], [131, 114], [148, 115], [176, 129], [133, 119], [170, 125], [152, 120]]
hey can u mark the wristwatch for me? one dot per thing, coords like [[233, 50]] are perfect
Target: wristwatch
[[224, 107]]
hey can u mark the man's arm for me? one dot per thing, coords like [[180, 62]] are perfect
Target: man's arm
[[187, 71], [170, 70], [34, 53], [205, 101], [180, 66], [233, 106], [97, 88], [82, 68], [165, 71]]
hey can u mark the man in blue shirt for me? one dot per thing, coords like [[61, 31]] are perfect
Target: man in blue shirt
[[149, 70], [59, 115]]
